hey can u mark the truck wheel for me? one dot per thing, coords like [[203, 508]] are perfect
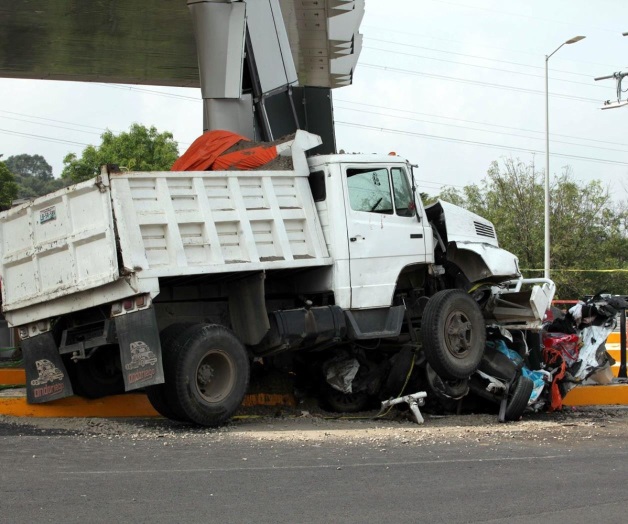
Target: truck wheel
[[518, 398], [210, 374], [99, 375], [339, 402], [158, 395], [453, 334]]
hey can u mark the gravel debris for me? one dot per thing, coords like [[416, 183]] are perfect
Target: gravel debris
[[569, 428]]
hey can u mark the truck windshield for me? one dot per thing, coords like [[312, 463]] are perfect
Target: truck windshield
[[369, 190]]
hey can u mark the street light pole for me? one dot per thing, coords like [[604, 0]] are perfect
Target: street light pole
[[547, 176]]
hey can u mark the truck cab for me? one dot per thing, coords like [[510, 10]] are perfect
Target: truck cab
[[373, 222]]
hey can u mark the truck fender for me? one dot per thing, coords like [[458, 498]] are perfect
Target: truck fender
[[480, 261]]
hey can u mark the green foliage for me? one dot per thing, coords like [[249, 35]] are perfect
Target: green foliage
[[587, 229], [427, 199], [33, 175], [139, 149], [8, 187], [30, 166]]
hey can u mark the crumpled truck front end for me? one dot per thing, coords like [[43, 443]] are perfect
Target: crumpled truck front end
[[468, 243]]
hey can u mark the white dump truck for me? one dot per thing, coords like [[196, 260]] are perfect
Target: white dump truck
[[175, 282]]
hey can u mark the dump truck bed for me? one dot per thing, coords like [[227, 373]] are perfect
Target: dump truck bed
[[117, 234]]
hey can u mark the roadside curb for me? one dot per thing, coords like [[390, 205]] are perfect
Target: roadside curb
[[130, 405], [13, 403], [598, 395], [12, 377]]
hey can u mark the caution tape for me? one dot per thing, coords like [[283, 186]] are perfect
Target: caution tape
[[582, 270]]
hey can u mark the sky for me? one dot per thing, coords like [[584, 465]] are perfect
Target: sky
[[450, 85]]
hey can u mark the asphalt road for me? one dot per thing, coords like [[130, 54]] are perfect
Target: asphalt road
[[162, 473]]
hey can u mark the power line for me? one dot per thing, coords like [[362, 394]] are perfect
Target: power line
[[151, 91], [480, 130], [519, 64], [50, 125], [385, 68], [486, 67], [397, 70], [396, 31], [563, 22], [475, 143], [438, 185], [50, 119], [406, 111], [100, 129], [476, 82], [45, 138]]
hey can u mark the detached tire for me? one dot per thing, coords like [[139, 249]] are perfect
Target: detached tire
[[518, 398], [453, 334], [339, 402], [210, 374]]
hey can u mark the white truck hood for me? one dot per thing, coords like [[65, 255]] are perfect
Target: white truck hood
[[471, 243], [465, 226]]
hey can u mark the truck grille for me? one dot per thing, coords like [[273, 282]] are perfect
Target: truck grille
[[484, 230]]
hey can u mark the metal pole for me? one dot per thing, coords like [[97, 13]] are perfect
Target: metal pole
[[547, 176], [547, 162], [622, 345]]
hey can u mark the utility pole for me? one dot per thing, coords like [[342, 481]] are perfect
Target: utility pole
[[619, 76]]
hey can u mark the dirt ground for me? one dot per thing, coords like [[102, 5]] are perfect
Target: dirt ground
[[311, 426]]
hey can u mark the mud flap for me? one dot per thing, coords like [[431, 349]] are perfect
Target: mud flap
[[46, 376], [140, 349]]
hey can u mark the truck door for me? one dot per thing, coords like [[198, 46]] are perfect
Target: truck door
[[384, 232]]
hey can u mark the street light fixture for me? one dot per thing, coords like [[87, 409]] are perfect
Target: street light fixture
[[547, 177]]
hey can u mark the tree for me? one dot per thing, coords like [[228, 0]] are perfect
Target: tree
[[30, 166], [587, 232], [8, 187], [33, 175], [139, 149]]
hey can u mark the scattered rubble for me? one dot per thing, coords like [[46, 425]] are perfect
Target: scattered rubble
[[298, 426]]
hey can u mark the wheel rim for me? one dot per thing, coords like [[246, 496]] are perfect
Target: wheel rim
[[458, 334], [215, 376]]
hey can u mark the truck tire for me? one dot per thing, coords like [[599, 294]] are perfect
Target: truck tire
[[453, 334], [518, 398], [210, 374], [158, 395], [339, 402], [99, 375]]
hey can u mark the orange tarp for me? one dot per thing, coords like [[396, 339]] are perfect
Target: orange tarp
[[245, 158], [206, 153]]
